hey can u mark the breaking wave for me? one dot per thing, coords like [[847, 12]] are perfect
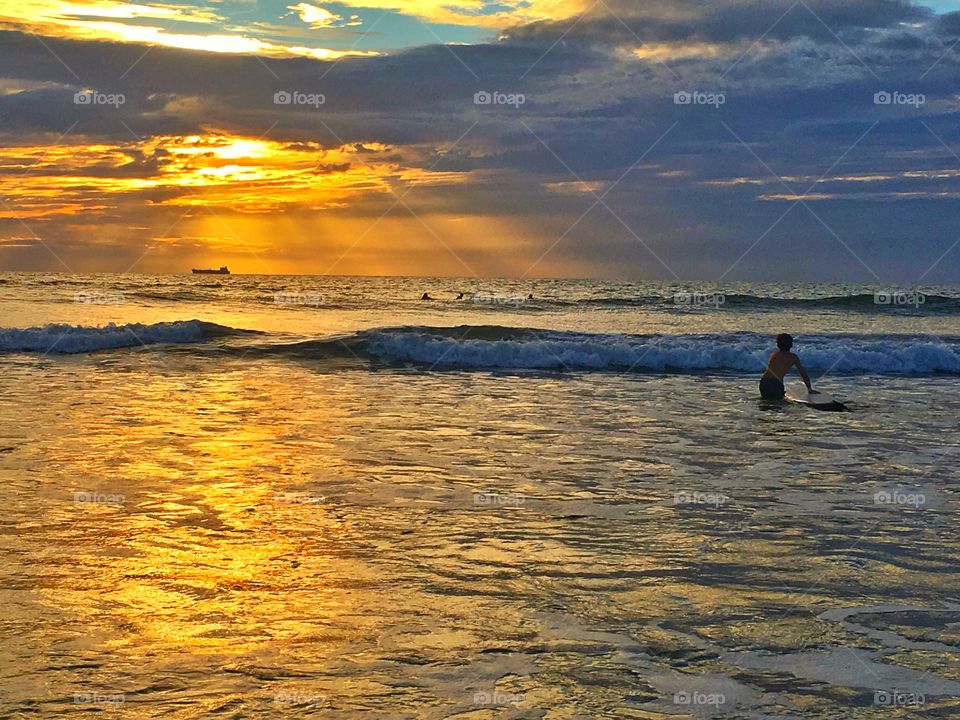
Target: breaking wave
[[472, 347], [71, 339]]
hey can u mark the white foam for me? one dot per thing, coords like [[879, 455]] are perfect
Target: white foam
[[888, 638], [573, 351], [78, 339], [850, 667]]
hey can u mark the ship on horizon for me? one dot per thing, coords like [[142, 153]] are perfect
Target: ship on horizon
[[222, 271]]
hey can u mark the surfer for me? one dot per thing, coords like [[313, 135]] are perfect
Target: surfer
[[460, 296], [779, 364], [426, 296]]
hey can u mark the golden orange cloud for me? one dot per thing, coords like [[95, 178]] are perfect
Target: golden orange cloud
[[666, 52], [246, 175], [476, 12]]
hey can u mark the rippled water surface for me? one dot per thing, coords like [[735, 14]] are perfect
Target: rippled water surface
[[212, 534]]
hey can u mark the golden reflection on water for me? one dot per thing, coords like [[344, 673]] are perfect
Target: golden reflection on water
[[206, 536], [288, 530]]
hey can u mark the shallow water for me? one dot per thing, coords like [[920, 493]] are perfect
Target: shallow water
[[193, 532]]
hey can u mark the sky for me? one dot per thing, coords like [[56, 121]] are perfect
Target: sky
[[781, 140]]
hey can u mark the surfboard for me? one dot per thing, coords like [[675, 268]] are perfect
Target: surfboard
[[819, 401]]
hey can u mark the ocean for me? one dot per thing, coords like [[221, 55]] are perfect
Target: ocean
[[262, 496]]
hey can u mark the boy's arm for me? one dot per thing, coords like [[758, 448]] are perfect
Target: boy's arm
[[803, 374]]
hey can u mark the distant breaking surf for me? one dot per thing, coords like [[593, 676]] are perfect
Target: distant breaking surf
[[513, 349]]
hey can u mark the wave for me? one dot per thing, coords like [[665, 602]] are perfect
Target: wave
[[501, 348], [896, 302], [472, 347], [71, 339]]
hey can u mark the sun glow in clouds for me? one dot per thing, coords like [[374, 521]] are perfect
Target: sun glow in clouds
[[243, 175], [55, 12], [266, 30]]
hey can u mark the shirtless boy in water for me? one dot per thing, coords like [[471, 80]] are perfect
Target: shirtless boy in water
[[779, 364]]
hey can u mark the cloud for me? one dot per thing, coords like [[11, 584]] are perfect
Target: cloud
[[622, 22], [698, 184], [196, 28], [479, 13], [313, 15]]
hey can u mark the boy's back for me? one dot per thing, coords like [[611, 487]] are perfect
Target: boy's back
[[778, 365]]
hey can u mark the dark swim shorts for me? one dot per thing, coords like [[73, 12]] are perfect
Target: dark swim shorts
[[771, 389]]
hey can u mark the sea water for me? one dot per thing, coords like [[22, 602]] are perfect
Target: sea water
[[253, 496]]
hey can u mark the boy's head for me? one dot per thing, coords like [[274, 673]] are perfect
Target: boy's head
[[784, 342]]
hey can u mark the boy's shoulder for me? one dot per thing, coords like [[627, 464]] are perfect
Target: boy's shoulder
[[785, 353]]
